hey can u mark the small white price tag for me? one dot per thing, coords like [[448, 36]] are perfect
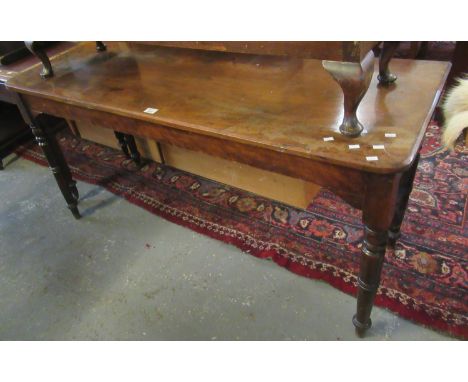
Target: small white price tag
[[327, 139], [354, 147], [390, 135], [150, 110], [371, 159], [378, 147]]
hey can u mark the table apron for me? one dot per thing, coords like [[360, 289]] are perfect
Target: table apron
[[346, 182]]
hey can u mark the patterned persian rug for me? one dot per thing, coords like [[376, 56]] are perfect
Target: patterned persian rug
[[424, 278]]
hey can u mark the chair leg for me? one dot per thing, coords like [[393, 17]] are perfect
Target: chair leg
[[36, 49], [385, 77]]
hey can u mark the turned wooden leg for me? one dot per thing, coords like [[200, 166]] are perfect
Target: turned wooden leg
[[123, 145], [36, 49], [132, 147], [378, 211], [404, 191], [354, 79], [58, 165], [372, 260], [100, 46], [385, 77], [54, 156]]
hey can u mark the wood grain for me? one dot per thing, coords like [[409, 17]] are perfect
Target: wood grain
[[283, 104]]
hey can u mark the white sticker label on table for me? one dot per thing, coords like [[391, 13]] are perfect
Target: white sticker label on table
[[354, 147], [390, 135], [327, 139], [371, 159], [378, 147], [150, 110]]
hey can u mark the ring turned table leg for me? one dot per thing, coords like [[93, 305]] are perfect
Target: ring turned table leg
[[54, 156], [404, 191], [378, 211], [58, 165]]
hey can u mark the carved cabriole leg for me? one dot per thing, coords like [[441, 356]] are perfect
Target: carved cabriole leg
[[354, 79], [36, 49], [54, 156], [404, 191], [100, 46], [378, 212], [385, 77]]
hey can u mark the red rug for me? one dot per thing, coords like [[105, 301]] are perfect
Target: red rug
[[424, 278]]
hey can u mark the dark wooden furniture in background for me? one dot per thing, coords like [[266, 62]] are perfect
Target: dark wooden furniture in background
[[351, 64], [12, 129], [276, 113], [14, 59]]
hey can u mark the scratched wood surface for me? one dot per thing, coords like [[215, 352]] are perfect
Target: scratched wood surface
[[283, 104]]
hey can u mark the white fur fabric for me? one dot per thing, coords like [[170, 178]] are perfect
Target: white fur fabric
[[456, 112]]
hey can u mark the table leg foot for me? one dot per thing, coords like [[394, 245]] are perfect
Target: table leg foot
[[372, 259], [35, 48], [361, 328], [76, 213], [354, 79]]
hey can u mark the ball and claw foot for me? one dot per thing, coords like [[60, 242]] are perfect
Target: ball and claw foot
[[360, 327]]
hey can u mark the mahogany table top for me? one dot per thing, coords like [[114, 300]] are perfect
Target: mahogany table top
[[284, 104]]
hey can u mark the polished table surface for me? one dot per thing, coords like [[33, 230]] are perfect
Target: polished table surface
[[284, 104]]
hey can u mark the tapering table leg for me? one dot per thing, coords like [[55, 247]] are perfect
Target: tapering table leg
[[354, 79], [404, 191], [378, 211], [54, 156], [36, 49], [123, 145], [385, 77], [132, 147]]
